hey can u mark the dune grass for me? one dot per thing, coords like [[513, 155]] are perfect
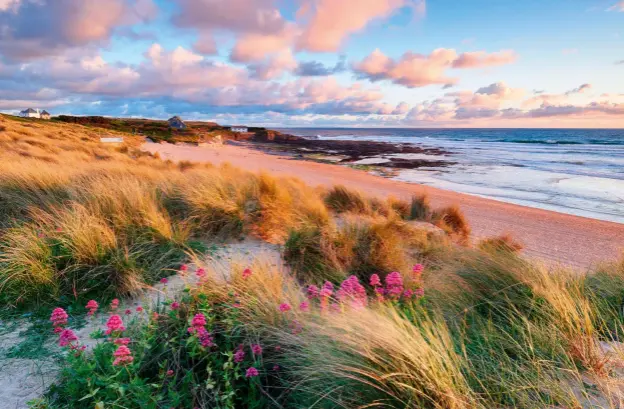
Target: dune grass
[[480, 327]]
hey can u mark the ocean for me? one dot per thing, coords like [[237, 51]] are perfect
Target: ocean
[[576, 171]]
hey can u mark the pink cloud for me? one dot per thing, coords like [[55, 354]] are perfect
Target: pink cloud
[[481, 59], [416, 70], [329, 22], [619, 6], [32, 29]]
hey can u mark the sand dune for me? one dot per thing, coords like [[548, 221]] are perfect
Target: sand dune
[[549, 236]]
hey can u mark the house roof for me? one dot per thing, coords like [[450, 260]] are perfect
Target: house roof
[[30, 111], [44, 112]]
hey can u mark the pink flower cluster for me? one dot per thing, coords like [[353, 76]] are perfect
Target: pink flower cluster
[[66, 338], [395, 288], [251, 372], [114, 304], [239, 355], [285, 307], [92, 306], [246, 273], [198, 327], [114, 325], [351, 290], [256, 349], [59, 319], [200, 272], [123, 356]]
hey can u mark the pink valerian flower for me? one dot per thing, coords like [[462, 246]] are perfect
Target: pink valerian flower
[[374, 280], [205, 338], [247, 273], [239, 355], [114, 304], [114, 324], [276, 367], [199, 320], [92, 306], [139, 309], [123, 356], [256, 349], [200, 272], [164, 281], [121, 341], [58, 318], [183, 269], [418, 269], [352, 290], [251, 372], [313, 292], [155, 316], [284, 307], [128, 311], [408, 293], [394, 285], [175, 305], [67, 337], [327, 290], [304, 306], [170, 372], [278, 348], [419, 292], [394, 279]]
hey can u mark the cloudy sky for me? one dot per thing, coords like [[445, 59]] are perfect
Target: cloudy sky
[[393, 63]]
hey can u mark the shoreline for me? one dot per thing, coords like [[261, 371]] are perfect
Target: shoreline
[[547, 235]]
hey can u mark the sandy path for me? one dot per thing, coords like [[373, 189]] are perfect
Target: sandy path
[[548, 235]]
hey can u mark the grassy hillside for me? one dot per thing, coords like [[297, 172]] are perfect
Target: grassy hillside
[[378, 312], [154, 129]]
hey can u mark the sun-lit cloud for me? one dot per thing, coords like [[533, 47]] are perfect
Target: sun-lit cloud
[[32, 29], [417, 70], [328, 22]]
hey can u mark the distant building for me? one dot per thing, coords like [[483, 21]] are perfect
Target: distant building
[[30, 113], [176, 122], [241, 129], [45, 114]]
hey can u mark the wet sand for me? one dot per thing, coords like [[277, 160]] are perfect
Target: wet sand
[[546, 235]]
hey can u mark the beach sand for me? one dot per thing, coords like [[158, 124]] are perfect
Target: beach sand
[[549, 236]]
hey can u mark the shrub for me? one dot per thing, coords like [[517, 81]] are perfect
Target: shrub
[[420, 209], [453, 221], [503, 242], [341, 200]]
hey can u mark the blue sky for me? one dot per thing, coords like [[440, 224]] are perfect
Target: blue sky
[[402, 63]]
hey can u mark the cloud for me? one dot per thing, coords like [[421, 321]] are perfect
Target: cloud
[[481, 59], [620, 62], [580, 89], [328, 22], [185, 80], [317, 69], [260, 28], [417, 70], [275, 66], [32, 29], [619, 6]]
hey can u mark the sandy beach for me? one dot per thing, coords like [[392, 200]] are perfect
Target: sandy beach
[[546, 235]]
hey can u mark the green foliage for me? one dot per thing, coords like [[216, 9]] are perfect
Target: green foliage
[[170, 369]]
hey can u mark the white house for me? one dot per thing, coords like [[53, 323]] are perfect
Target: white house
[[45, 114], [30, 113], [241, 129]]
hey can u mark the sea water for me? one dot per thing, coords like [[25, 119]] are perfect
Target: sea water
[[576, 171]]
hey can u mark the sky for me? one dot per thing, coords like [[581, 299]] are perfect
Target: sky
[[319, 63]]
